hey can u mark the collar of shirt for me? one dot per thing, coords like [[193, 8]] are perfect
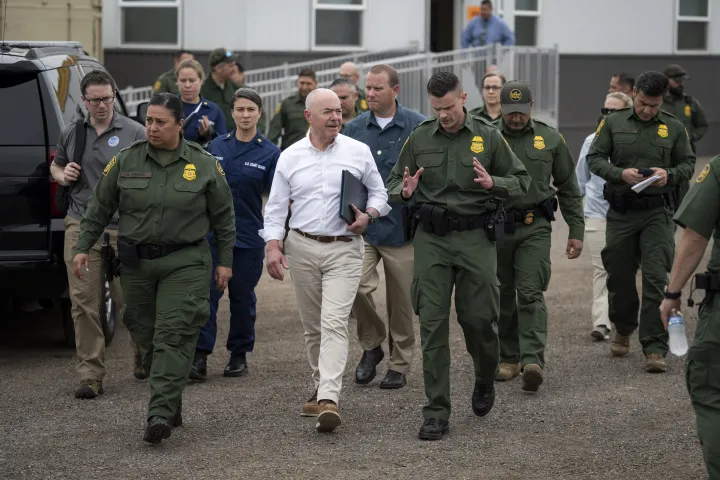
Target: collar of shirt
[[331, 148], [466, 124], [257, 139], [399, 118], [181, 151], [115, 123], [516, 133]]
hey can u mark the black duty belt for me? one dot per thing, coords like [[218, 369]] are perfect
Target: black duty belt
[[622, 202], [545, 209], [441, 221], [151, 252]]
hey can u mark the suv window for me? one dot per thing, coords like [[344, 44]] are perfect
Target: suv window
[[22, 123], [65, 82]]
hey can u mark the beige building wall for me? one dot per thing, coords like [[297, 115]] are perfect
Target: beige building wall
[[54, 20]]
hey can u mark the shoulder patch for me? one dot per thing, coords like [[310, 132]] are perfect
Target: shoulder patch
[[703, 175], [602, 124], [363, 104], [219, 168], [113, 161], [156, 86], [278, 108]]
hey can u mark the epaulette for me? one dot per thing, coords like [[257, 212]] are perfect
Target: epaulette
[[483, 120], [198, 147], [135, 143], [426, 121], [663, 112]]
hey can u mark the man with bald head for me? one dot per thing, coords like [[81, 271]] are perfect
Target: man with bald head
[[324, 253], [350, 72]]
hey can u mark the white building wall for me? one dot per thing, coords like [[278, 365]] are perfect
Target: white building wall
[[395, 24]]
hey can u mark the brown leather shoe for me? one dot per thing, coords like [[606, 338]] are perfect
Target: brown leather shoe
[[311, 408], [329, 417], [89, 389]]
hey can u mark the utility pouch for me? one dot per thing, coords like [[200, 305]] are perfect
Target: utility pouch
[[127, 253]]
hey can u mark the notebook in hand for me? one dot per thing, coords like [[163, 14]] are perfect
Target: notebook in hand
[[352, 192]]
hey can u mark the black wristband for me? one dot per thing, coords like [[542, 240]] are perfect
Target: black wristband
[[672, 295]]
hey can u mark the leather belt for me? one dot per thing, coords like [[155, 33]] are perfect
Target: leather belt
[[324, 238]]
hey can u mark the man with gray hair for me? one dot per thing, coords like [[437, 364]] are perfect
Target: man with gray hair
[[324, 252], [348, 94]]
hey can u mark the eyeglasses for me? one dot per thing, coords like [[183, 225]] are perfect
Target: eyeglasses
[[96, 101], [492, 87], [607, 111]]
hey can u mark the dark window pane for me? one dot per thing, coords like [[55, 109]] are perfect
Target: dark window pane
[[20, 95], [693, 8], [341, 2], [692, 36], [336, 27], [526, 31], [150, 25], [526, 5]]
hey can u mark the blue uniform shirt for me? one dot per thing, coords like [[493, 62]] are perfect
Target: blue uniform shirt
[[249, 168], [192, 127], [385, 145]]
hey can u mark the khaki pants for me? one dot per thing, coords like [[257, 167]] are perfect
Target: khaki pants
[[326, 278], [85, 297], [398, 266], [595, 238]]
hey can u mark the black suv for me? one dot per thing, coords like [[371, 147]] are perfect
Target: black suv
[[40, 95]]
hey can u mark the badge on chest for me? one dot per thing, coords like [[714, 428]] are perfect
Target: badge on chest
[[189, 173], [477, 145]]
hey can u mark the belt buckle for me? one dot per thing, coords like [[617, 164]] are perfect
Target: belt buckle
[[454, 223], [529, 218], [154, 251]]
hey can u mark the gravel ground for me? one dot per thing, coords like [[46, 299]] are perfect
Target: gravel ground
[[595, 417]]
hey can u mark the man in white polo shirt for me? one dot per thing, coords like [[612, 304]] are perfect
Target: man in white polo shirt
[[324, 254]]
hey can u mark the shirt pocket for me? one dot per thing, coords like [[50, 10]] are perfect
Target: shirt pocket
[[465, 174], [661, 152], [540, 165], [431, 160], [624, 146], [134, 193]]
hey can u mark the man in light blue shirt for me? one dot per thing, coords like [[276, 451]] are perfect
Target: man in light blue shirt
[[596, 207], [487, 29]]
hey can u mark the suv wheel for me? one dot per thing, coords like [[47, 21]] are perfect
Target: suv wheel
[[67, 322], [108, 311]]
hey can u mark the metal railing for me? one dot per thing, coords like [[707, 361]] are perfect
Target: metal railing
[[537, 66], [133, 96]]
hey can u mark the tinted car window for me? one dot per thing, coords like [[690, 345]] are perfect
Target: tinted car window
[[22, 121], [65, 83]]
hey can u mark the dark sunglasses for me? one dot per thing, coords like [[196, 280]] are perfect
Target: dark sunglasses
[[607, 111]]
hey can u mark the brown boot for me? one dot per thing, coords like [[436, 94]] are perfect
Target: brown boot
[[620, 345], [138, 369], [655, 363], [89, 389], [311, 408], [329, 417], [507, 371], [532, 377]]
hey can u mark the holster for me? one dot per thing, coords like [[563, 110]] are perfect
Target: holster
[[127, 253], [409, 221], [109, 259], [497, 221], [549, 207]]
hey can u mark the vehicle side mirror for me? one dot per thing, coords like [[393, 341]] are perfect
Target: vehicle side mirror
[[141, 114]]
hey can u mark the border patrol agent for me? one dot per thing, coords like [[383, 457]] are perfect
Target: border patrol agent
[[686, 108], [640, 141], [217, 87], [699, 215], [524, 255], [168, 193], [289, 119], [453, 157], [249, 160], [167, 82]]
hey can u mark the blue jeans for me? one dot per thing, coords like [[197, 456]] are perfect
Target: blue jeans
[[247, 269]]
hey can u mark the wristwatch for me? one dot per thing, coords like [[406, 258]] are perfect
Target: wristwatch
[[672, 295], [372, 218]]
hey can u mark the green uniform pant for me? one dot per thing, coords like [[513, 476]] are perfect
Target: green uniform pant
[[702, 376], [167, 303], [639, 238], [466, 261], [524, 274]]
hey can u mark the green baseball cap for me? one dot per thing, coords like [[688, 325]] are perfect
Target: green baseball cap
[[515, 97], [675, 71], [220, 55]]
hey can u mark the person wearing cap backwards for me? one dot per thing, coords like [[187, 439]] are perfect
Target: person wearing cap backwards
[[454, 166], [640, 142], [218, 86], [686, 108], [523, 257]]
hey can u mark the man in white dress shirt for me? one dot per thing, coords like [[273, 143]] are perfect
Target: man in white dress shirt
[[324, 254]]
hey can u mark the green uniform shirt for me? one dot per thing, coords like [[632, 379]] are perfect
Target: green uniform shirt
[[692, 115], [163, 198], [700, 210], [662, 142], [167, 82], [289, 121], [222, 97], [482, 112], [361, 104], [546, 156], [448, 176]]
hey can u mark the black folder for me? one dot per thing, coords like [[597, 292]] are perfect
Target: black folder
[[352, 192]]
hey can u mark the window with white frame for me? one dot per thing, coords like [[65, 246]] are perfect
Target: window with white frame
[[693, 19], [338, 24], [150, 23], [527, 13]]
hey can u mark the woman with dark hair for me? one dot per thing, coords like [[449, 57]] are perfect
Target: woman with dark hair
[[169, 193], [249, 160]]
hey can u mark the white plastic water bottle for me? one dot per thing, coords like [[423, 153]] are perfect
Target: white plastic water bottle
[[676, 330]]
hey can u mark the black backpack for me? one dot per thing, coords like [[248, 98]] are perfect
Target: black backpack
[[62, 194]]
